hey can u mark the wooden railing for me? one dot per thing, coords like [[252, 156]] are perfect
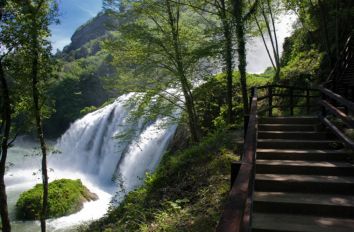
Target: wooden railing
[[342, 109], [237, 212], [287, 98]]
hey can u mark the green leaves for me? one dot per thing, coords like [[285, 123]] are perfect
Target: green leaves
[[65, 197]]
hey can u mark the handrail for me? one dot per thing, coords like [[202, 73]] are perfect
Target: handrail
[[290, 95], [327, 97], [338, 98], [237, 212], [286, 87]]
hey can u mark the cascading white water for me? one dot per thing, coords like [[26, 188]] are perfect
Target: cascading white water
[[90, 147], [89, 150]]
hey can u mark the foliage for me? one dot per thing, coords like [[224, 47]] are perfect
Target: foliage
[[80, 85], [211, 100], [302, 70], [65, 197], [327, 25], [177, 197]]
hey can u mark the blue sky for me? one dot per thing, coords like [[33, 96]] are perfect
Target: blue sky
[[73, 13]]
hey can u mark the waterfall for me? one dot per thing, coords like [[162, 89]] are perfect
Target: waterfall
[[92, 150], [91, 145]]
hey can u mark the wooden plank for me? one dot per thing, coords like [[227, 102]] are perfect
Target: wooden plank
[[337, 98], [348, 142], [344, 117], [232, 217]]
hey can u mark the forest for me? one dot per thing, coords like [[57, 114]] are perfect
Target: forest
[[176, 66]]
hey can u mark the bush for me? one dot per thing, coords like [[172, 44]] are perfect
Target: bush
[[64, 197]]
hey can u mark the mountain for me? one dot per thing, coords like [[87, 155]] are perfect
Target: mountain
[[84, 69]]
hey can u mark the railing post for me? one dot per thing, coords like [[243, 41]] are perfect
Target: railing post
[[291, 101], [323, 109], [307, 101], [245, 124], [247, 117], [235, 168], [346, 95], [270, 101]]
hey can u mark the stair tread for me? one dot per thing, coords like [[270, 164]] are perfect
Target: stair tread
[[305, 178], [302, 151], [308, 163], [289, 222], [292, 132], [298, 141], [286, 124], [305, 198]]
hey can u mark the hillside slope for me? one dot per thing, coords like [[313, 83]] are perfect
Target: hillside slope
[[84, 69]]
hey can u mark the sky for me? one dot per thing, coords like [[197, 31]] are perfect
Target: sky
[[72, 14]]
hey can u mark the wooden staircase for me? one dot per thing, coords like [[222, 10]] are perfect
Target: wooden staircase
[[296, 174], [303, 180]]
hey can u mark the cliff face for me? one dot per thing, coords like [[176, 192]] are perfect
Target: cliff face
[[97, 27], [85, 70]]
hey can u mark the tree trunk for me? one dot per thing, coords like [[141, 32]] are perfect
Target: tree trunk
[[6, 122], [37, 114], [241, 50], [192, 115], [227, 58]]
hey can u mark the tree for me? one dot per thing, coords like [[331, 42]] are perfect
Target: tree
[[267, 23], [222, 10], [6, 118], [161, 47], [36, 15], [328, 23], [241, 18], [5, 134]]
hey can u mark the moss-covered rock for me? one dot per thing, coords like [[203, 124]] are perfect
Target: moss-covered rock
[[64, 197]]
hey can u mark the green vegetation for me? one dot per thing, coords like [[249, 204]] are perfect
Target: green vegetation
[[64, 197], [186, 193], [211, 99]]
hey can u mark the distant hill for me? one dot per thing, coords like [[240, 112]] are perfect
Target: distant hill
[[86, 39], [84, 70]]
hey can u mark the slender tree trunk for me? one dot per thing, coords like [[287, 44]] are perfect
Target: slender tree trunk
[[273, 41], [264, 42], [241, 49], [6, 122], [186, 88], [227, 58], [40, 135], [277, 54]]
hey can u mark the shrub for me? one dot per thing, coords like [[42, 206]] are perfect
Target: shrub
[[64, 197]]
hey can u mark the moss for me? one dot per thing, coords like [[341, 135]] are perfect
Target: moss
[[186, 192], [64, 197]]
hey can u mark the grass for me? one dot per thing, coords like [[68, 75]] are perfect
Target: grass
[[64, 197], [186, 192]]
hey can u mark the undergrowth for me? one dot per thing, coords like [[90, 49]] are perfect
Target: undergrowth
[[185, 193]]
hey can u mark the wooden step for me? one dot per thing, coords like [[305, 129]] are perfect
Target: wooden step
[[291, 154], [302, 135], [298, 144], [305, 183], [305, 167], [287, 127], [288, 120], [298, 223], [303, 203]]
